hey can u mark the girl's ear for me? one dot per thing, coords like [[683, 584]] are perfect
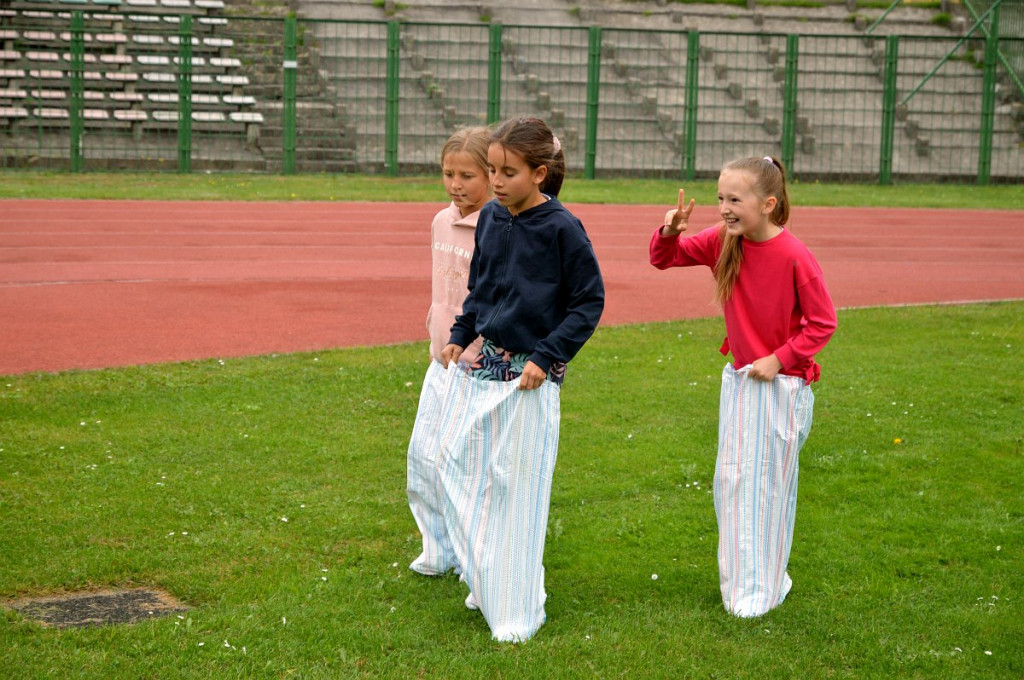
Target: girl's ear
[[539, 174], [769, 205]]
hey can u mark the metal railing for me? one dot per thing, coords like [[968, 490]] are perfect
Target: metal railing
[[110, 90], [1002, 21]]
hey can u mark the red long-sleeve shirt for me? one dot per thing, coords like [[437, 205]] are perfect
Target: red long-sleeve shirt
[[779, 301]]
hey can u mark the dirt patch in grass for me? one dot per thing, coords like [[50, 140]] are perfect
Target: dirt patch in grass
[[97, 608]]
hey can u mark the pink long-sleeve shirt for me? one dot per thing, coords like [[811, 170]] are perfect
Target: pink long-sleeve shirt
[[451, 245], [779, 303]]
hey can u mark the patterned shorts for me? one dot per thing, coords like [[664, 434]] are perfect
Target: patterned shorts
[[496, 364]]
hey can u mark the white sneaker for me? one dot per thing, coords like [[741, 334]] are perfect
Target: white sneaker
[[418, 565], [471, 603]]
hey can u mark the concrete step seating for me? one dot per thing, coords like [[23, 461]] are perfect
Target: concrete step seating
[[544, 81], [649, 72], [642, 83]]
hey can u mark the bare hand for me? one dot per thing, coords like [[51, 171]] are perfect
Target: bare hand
[[677, 220], [533, 376], [451, 353], [765, 368]]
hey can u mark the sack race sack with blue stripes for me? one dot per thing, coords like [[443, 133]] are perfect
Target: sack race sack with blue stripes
[[761, 429], [498, 450], [426, 496]]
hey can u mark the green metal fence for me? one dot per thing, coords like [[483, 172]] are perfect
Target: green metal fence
[[187, 93]]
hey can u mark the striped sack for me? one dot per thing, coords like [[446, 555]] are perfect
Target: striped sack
[[423, 486], [498, 450], [762, 426]]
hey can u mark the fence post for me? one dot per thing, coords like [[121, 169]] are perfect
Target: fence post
[[789, 102], [185, 95], [888, 108], [289, 75], [391, 106], [988, 101], [593, 101], [494, 75], [692, 84], [77, 95]]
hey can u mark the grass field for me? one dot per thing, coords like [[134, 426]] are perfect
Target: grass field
[[268, 494], [238, 187]]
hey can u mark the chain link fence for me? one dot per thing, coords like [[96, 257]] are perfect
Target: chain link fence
[[92, 85]]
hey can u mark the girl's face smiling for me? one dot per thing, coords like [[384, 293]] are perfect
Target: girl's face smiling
[[745, 213], [516, 185], [465, 181]]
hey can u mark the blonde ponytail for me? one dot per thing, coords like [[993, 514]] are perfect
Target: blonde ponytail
[[727, 269]]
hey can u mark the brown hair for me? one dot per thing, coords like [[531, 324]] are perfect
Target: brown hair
[[536, 143], [471, 140], [768, 179]]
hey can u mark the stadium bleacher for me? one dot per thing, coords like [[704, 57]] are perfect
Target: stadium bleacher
[[131, 65]]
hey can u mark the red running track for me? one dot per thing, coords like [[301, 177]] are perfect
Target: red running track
[[93, 284]]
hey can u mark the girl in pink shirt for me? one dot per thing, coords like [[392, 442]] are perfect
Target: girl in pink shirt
[[778, 315], [464, 170]]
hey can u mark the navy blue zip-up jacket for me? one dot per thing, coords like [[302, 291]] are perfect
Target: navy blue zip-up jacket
[[534, 284]]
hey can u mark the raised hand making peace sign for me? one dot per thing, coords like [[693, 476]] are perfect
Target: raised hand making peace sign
[[677, 219]]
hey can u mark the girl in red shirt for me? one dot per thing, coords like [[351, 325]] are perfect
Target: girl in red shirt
[[778, 315]]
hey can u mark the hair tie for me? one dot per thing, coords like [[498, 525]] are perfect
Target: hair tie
[[558, 144], [769, 159]]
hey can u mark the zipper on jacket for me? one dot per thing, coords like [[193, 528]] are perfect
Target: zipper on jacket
[[504, 273]]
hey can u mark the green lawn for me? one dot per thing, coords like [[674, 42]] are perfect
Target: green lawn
[[241, 187], [268, 494]]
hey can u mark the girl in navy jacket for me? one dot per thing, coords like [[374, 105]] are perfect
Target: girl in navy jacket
[[535, 297]]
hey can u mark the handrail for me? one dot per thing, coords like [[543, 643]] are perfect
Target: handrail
[[882, 18], [999, 53], [949, 54]]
